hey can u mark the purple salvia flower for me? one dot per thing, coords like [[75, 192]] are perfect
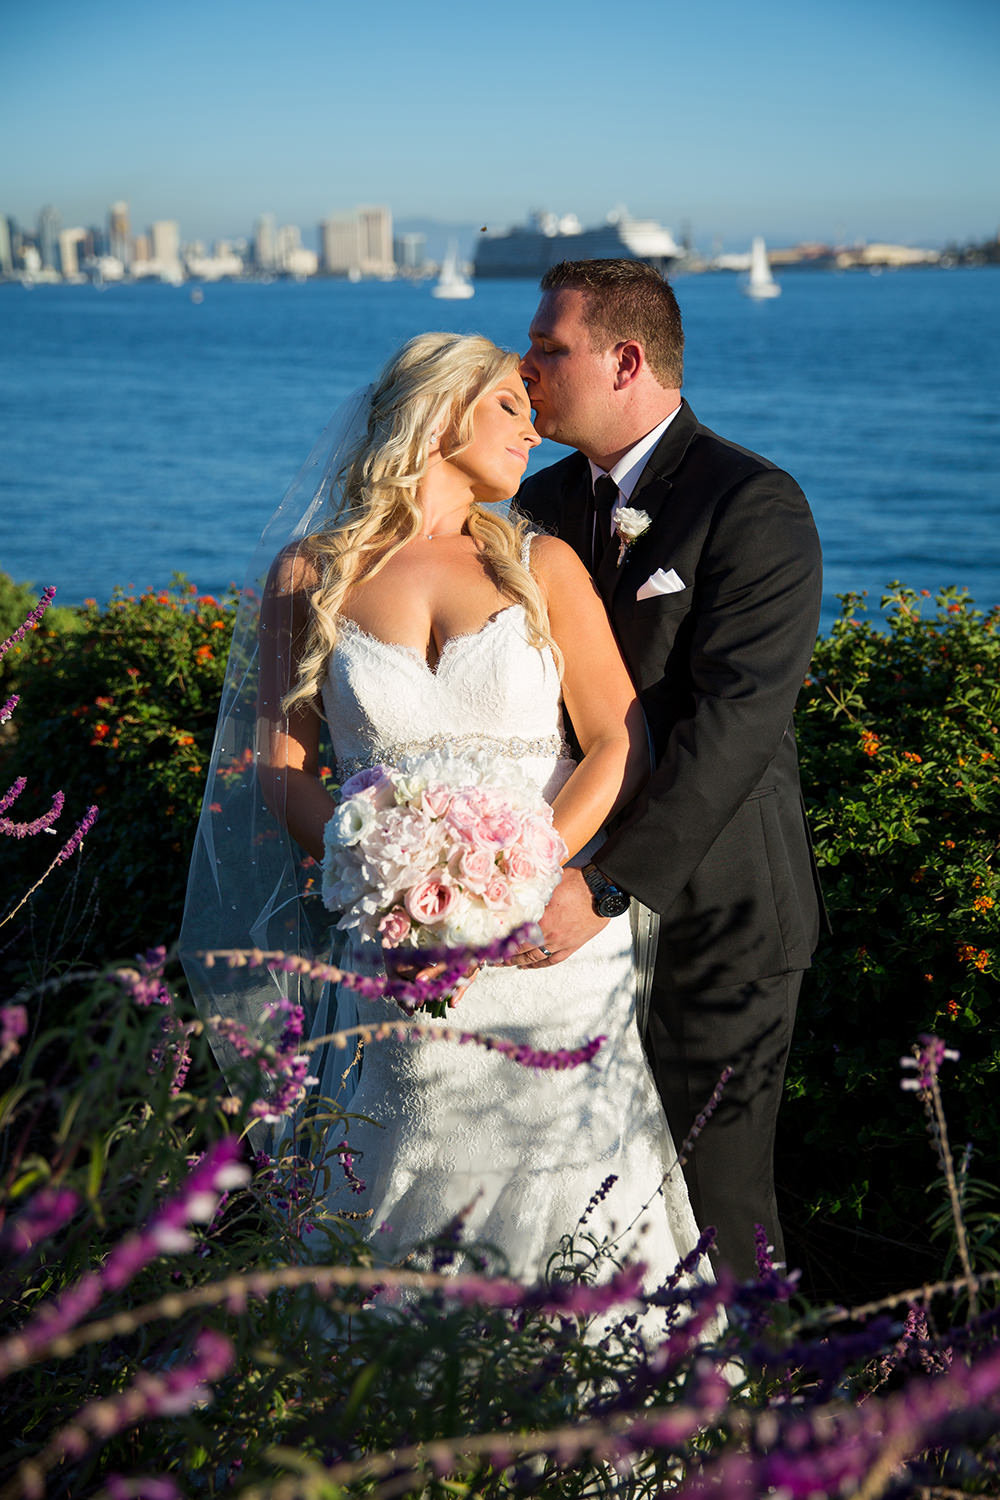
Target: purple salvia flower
[[12, 793], [927, 1060], [169, 1394], [763, 1252], [219, 1170], [42, 824], [9, 707], [347, 1163], [13, 1026], [43, 1215], [76, 838], [48, 594], [145, 984], [141, 1487]]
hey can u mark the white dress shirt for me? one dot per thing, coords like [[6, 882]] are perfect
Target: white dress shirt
[[628, 468]]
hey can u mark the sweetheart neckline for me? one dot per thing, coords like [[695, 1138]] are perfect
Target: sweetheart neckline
[[415, 653]]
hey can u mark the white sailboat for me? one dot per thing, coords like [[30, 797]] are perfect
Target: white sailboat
[[452, 283], [761, 284]]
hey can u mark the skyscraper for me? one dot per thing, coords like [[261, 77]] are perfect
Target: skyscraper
[[375, 230], [264, 245], [340, 240], [49, 225], [119, 233]]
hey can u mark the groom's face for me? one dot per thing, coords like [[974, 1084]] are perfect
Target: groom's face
[[569, 382]]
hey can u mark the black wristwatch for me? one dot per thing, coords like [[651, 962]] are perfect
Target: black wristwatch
[[609, 901]]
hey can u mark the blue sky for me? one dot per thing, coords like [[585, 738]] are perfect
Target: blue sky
[[796, 119]]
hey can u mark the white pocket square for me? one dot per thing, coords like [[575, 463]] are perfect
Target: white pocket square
[[661, 582]]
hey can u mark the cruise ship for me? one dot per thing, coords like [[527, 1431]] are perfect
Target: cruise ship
[[530, 249]]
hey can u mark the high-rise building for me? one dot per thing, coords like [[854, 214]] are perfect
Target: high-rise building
[[409, 251], [6, 248], [49, 225], [167, 245], [340, 241], [119, 233], [375, 230], [70, 243], [264, 242]]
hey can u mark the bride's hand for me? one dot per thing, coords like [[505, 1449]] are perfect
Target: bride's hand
[[416, 974]]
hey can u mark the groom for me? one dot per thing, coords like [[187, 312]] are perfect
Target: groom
[[716, 605]]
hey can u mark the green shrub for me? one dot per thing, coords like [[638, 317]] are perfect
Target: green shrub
[[899, 737], [120, 711]]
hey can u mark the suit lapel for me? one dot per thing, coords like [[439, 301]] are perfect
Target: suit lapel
[[650, 494]]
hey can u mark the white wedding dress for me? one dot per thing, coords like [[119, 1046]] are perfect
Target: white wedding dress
[[456, 1128]]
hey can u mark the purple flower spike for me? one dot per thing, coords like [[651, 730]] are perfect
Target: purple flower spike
[[220, 1169], [76, 838], [42, 824], [929, 1056], [13, 1026], [48, 594], [43, 1216]]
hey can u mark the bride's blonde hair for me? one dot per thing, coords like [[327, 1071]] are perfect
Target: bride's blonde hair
[[429, 387]]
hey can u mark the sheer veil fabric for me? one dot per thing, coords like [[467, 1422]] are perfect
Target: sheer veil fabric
[[249, 884]]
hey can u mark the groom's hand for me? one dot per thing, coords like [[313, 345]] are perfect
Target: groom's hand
[[567, 923]]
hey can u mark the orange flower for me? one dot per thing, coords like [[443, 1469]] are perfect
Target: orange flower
[[870, 743], [966, 953], [918, 875], [952, 1009], [204, 653], [101, 731], [954, 609], [90, 603], [982, 958], [185, 739], [195, 770], [917, 760], [983, 903], [218, 625], [948, 843], [207, 599]]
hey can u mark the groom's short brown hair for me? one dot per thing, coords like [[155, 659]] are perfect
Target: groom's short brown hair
[[627, 299]]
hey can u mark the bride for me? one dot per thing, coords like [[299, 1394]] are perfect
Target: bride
[[415, 618]]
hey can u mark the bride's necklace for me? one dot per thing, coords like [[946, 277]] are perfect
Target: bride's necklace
[[431, 536]]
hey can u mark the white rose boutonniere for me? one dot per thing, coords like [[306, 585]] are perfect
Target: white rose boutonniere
[[630, 525]]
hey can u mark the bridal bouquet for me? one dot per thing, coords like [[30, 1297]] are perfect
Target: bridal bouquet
[[440, 851]]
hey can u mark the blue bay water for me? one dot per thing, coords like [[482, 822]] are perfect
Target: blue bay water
[[144, 433]]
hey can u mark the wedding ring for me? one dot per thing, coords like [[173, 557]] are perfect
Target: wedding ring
[[545, 951]]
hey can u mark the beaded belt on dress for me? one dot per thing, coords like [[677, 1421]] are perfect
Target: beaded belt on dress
[[513, 748]]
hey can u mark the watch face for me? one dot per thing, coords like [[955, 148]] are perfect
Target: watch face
[[612, 904]]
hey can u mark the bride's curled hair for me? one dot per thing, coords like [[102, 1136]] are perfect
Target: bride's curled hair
[[429, 387]]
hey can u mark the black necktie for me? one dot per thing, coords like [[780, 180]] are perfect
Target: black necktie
[[605, 500]]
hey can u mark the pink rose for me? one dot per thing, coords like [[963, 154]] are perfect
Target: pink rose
[[436, 800], [430, 900], [497, 895], [541, 839], [521, 864], [393, 927], [473, 868], [484, 818]]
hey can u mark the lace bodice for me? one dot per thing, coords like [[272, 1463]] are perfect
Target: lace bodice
[[490, 689]]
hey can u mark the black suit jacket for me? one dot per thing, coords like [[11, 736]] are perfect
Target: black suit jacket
[[718, 841]]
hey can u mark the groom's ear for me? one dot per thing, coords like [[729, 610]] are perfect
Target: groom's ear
[[631, 359]]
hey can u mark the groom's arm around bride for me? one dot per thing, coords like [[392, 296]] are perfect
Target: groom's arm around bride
[[715, 605]]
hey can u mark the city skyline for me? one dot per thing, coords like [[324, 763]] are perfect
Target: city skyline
[[794, 120]]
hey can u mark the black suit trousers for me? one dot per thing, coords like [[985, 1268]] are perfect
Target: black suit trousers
[[691, 1037]]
